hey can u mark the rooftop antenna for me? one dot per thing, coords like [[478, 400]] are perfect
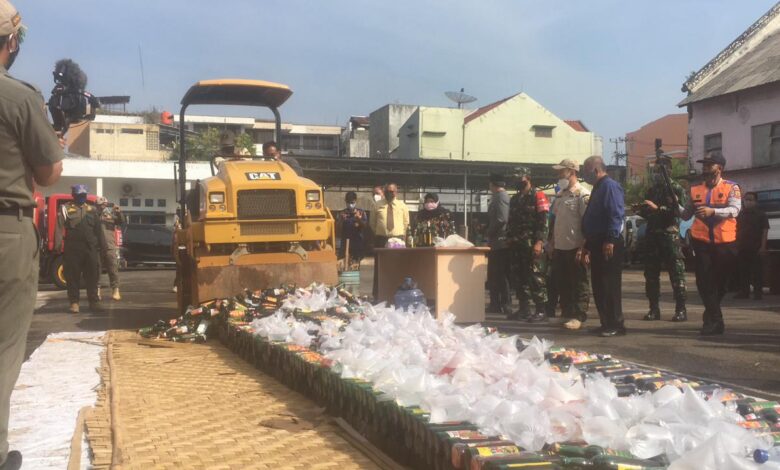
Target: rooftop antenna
[[460, 97]]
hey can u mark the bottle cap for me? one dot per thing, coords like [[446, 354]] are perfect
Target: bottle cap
[[760, 455]]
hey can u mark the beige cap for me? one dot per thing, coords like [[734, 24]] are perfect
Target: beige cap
[[10, 19], [567, 163]]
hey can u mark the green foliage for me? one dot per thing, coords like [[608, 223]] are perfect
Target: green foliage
[[151, 116], [245, 144], [635, 192], [200, 147], [203, 146]]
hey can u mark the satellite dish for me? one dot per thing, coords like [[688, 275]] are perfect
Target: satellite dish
[[460, 97]]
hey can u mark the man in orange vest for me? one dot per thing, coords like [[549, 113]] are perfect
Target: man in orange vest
[[715, 204]]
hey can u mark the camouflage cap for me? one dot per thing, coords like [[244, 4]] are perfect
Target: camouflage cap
[[520, 171], [10, 19]]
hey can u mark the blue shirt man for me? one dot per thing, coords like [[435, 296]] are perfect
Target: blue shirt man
[[602, 226], [603, 219]]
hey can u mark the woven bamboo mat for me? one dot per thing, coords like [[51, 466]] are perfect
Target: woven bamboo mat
[[171, 405]]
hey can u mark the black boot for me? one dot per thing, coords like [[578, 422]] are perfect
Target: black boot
[[539, 316], [680, 312], [713, 329], [522, 313], [654, 314], [13, 461]]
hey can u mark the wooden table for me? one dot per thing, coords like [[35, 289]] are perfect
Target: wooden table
[[453, 278]]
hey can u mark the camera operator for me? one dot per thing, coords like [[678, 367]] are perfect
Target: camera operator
[[111, 219], [29, 151]]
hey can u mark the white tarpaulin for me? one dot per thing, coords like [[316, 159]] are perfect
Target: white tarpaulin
[[59, 379]]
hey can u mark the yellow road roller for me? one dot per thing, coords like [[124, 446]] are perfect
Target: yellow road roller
[[255, 223]]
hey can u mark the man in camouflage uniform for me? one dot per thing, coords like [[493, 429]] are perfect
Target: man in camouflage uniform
[[83, 240], [527, 231], [663, 243], [111, 218]]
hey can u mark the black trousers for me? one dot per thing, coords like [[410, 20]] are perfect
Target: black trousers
[[379, 242], [606, 279], [751, 271], [499, 272], [714, 265], [81, 261]]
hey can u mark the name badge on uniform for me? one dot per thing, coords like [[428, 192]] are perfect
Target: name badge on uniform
[[257, 176]]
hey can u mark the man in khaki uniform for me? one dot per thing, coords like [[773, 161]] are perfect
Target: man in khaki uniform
[[83, 241], [29, 151], [111, 218]]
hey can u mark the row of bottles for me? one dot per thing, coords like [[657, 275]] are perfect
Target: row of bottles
[[424, 234], [405, 432]]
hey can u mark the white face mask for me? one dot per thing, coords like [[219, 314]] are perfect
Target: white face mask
[[377, 197], [563, 184]]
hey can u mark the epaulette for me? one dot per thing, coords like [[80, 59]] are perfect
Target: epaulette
[[28, 85]]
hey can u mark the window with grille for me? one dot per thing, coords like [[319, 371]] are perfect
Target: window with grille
[[152, 140], [543, 131], [327, 142], [309, 142], [766, 144], [713, 142]]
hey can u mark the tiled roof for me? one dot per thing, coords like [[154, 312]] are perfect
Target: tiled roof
[[480, 111], [577, 125], [759, 66]]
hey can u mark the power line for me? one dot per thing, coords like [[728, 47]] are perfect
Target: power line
[[618, 156]]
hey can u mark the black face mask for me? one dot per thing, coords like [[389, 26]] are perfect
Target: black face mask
[[389, 196], [522, 185]]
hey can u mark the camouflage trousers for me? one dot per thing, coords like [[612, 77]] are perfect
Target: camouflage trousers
[[663, 252], [529, 275]]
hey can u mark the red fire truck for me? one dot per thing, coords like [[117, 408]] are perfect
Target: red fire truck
[[45, 218]]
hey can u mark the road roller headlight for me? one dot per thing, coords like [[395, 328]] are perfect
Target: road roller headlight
[[216, 198], [312, 196]]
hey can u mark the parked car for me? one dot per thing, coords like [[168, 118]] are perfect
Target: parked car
[[147, 244], [633, 235]]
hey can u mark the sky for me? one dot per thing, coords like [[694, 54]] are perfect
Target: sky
[[614, 64]]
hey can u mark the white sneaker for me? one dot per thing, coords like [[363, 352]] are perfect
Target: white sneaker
[[573, 324]]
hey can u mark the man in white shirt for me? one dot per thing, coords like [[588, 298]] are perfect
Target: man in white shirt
[[571, 276]]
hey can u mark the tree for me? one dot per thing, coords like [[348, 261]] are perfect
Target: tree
[[200, 147], [245, 145]]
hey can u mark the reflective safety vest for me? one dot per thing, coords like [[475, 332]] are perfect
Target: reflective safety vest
[[713, 229]]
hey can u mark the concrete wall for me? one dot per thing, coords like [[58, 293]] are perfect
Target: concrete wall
[[384, 124], [128, 179], [672, 128], [434, 133], [356, 144], [506, 133], [734, 117], [110, 141]]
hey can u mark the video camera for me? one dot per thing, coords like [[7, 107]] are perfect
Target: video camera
[[69, 101]]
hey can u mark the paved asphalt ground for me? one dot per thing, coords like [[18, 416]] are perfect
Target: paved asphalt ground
[[747, 357]]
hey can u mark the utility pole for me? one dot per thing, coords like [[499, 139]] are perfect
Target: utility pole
[[618, 156]]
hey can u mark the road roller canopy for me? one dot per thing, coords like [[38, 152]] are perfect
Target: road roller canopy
[[239, 92]]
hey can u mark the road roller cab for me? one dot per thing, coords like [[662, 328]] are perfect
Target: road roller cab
[[255, 223]]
